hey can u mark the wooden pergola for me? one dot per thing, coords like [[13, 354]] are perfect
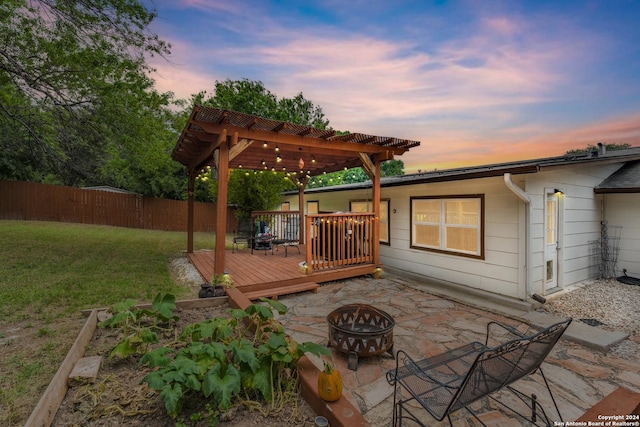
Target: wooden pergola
[[225, 140]]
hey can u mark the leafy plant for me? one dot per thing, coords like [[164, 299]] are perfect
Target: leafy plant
[[140, 326], [223, 279], [247, 354]]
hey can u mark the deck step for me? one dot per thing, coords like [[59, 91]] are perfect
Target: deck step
[[274, 293]]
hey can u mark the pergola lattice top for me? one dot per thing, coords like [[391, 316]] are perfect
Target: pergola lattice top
[[266, 144]]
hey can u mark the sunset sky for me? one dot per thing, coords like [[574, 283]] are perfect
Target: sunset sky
[[476, 82]]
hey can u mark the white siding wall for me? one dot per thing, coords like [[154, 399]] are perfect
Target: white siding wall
[[504, 269], [580, 216], [499, 272], [624, 210]]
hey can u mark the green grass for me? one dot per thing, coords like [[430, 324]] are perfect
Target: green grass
[[49, 273]]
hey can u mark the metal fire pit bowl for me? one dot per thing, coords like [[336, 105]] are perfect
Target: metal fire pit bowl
[[360, 330]]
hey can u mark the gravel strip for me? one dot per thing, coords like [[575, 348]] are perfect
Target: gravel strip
[[615, 305]]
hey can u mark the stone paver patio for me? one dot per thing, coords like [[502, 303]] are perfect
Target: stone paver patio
[[427, 325]]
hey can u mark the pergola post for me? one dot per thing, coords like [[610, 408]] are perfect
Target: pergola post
[[301, 226], [190, 210], [222, 165], [376, 210]]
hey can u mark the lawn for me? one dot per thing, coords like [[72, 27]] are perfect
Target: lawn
[[49, 273]]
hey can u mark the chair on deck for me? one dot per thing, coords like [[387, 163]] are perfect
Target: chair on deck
[[290, 235], [455, 379], [263, 239], [245, 234]]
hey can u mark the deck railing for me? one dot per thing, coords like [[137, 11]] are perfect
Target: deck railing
[[283, 225], [331, 240], [339, 240]]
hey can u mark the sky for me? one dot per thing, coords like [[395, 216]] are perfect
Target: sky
[[476, 82]]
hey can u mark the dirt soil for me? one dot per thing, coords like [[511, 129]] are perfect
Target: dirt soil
[[116, 397]]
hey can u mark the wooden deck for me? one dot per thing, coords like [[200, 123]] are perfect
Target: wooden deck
[[264, 270]]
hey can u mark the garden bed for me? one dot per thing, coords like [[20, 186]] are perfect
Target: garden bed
[[117, 396]]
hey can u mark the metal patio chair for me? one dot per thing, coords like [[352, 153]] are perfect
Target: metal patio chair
[[245, 235], [453, 380]]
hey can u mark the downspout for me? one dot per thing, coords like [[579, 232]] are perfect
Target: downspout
[[522, 195]]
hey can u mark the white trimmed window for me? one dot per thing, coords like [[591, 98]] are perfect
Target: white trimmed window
[[452, 225]]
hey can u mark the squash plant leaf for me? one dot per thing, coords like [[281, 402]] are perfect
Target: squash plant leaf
[[154, 380], [126, 347], [313, 348], [223, 384], [238, 313], [157, 357], [164, 306], [276, 305], [121, 307], [216, 350], [171, 395], [192, 382], [263, 312], [148, 336], [261, 380], [245, 353]]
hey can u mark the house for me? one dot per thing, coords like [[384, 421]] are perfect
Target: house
[[514, 229]]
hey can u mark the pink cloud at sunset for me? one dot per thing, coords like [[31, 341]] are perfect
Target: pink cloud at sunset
[[477, 83]]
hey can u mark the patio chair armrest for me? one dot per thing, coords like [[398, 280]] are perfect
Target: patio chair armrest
[[512, 333]]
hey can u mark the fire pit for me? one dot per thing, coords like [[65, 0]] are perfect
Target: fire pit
[[360, 330]]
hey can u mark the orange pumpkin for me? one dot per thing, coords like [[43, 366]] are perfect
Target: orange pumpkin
[[329, 383]]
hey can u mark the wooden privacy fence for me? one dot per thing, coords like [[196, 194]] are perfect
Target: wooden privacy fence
[[32, 201]]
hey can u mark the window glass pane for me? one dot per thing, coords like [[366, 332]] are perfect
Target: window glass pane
[[427, 235], [384, 221], [312, 207], [464, 212], [360, 206], [426, 211], [462, 239], [551, 222]]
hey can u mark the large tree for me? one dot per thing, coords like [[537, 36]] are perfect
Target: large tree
[[350, 176], [251, 191], [77, 105]]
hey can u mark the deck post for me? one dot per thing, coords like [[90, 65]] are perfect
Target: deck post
[[190, 209], [221, 206], [307, 246], [301, 228], [376, 210]]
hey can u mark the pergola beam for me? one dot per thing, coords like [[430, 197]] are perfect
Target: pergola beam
[[238, 148], [297, 140], [367, 165], [206, 154]]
